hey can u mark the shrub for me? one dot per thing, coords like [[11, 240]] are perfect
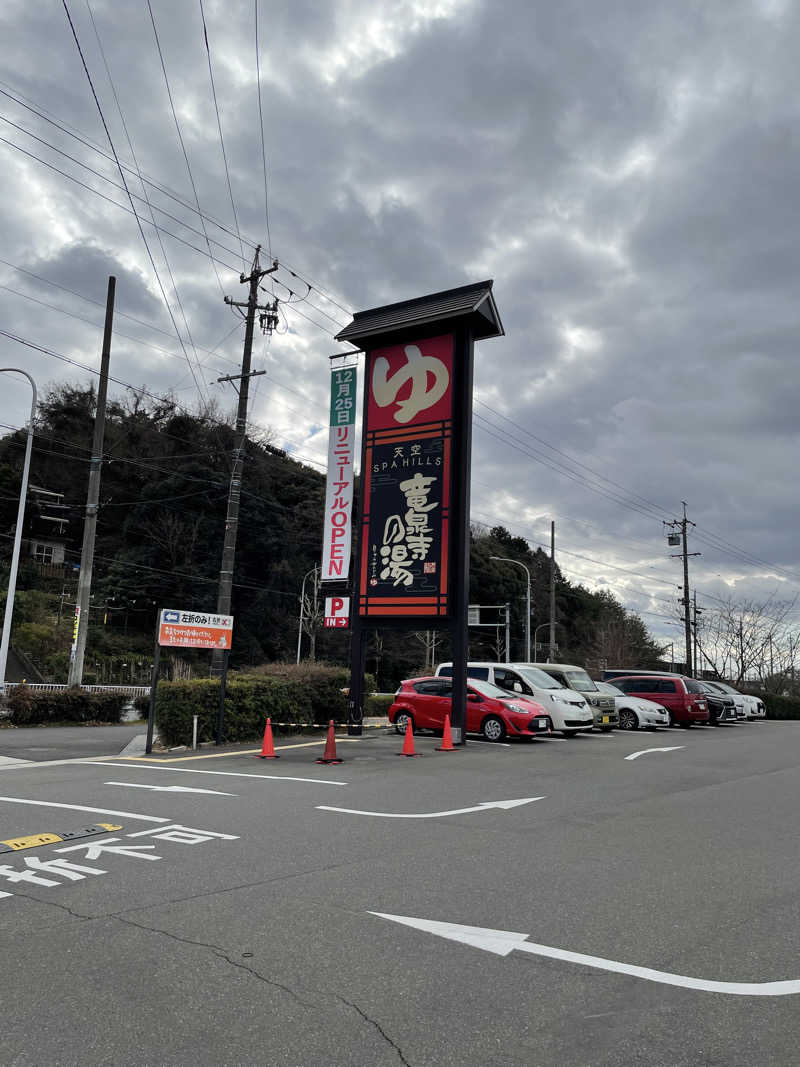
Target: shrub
[[378, 703], [307, 694], [31, 707], [780, 707]]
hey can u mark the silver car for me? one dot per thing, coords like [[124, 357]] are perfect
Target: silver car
[[635, 711]]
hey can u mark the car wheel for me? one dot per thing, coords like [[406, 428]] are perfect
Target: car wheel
[[401, 720], [493, 729], [628, 719]]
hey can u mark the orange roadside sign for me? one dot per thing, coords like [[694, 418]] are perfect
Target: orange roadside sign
[[194, 629]]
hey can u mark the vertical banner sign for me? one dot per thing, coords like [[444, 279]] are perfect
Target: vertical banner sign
[[408, 437], [74, 647], [337, 531]]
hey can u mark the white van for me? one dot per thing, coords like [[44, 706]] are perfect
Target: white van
[[569, 711]]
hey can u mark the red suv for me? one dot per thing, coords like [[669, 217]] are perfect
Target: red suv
[[683, 698], [491, 711]]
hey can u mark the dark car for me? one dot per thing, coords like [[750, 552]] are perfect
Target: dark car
[[683, 697], [491, 711], [721, 707]]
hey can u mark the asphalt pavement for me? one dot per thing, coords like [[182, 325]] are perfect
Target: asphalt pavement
[[34, 743], [222, 909]]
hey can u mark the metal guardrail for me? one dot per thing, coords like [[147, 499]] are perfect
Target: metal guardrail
[[130, 690]]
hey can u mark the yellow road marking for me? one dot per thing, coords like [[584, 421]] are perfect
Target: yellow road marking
[[108, 826], [240, 752], [32, 841]]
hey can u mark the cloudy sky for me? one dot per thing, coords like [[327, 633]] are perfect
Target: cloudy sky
[[626, 172]]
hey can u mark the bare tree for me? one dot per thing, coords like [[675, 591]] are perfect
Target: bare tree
[[429, 639], [748, 639]]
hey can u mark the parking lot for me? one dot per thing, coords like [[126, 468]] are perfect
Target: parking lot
[[227, 909]]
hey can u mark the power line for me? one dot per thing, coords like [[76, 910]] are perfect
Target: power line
[[183, 146], [261, 126], [124, 182], [144, 187], [219, 127]]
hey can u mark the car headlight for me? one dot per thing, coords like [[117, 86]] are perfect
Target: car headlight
[[519, 710]]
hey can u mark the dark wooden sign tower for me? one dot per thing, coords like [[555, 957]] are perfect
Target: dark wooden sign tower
[[412, 556]]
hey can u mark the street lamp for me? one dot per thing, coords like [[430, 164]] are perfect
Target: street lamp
[[23, 492], [302, 606], [504, 559], [541, 626]]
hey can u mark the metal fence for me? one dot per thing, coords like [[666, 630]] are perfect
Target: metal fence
[[128, 690]]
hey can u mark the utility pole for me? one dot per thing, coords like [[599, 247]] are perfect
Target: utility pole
[[551, 652], [268, 321], [78, 649], [697, 611], [673, 539]]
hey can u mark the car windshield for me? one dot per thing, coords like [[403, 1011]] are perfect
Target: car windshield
[[487, 689], [693, 686], [609, 688], [581, 681], [537, 678], [727, 688]]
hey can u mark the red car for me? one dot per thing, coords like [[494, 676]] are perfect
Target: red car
[[491, 711], [683, 697]]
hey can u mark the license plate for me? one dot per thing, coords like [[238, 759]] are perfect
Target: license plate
[[541, 724], [605, 719]]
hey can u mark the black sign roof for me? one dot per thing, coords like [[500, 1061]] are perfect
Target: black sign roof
[[473, 302]]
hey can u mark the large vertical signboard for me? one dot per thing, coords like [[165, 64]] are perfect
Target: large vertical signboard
[[337, 532], [408, 439]]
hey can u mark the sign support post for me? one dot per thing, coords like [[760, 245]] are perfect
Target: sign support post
[[151, 714], [223, 684], [412, 560]]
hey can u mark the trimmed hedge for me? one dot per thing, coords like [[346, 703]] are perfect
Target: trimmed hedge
[[35, 707], [291, 695], [780, 707], [378, 703]]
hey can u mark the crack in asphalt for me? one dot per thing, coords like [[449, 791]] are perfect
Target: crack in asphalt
[[377, 1026], [221, 954]]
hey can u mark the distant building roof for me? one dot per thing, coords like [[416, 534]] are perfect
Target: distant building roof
[[473, 302]]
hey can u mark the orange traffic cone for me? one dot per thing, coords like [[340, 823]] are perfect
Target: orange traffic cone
[[408, 743], [268, 747], [447, 738], [329, 755]]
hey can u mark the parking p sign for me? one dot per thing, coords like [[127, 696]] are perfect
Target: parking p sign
[[337, 611]]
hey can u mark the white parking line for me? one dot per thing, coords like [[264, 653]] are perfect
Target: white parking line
[[80, 807], [225, 774]]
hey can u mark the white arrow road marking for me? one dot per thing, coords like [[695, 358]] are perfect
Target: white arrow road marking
[[503, 942], [644, 751], [224, 774], [434, 814], [171, 788], [80, 807]]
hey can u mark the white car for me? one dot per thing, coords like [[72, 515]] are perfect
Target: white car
[[568, 711], [635, 711], [747, 707]]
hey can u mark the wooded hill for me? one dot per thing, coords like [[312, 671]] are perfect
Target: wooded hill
[[162, 514]]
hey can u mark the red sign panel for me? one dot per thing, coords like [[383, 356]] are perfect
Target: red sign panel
[[408, 438]]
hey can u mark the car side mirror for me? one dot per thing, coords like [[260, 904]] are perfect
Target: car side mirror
[[517, 687], [473, 698]]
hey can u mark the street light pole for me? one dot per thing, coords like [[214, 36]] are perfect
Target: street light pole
[[504, 559], [302, 606], [23, 493]]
